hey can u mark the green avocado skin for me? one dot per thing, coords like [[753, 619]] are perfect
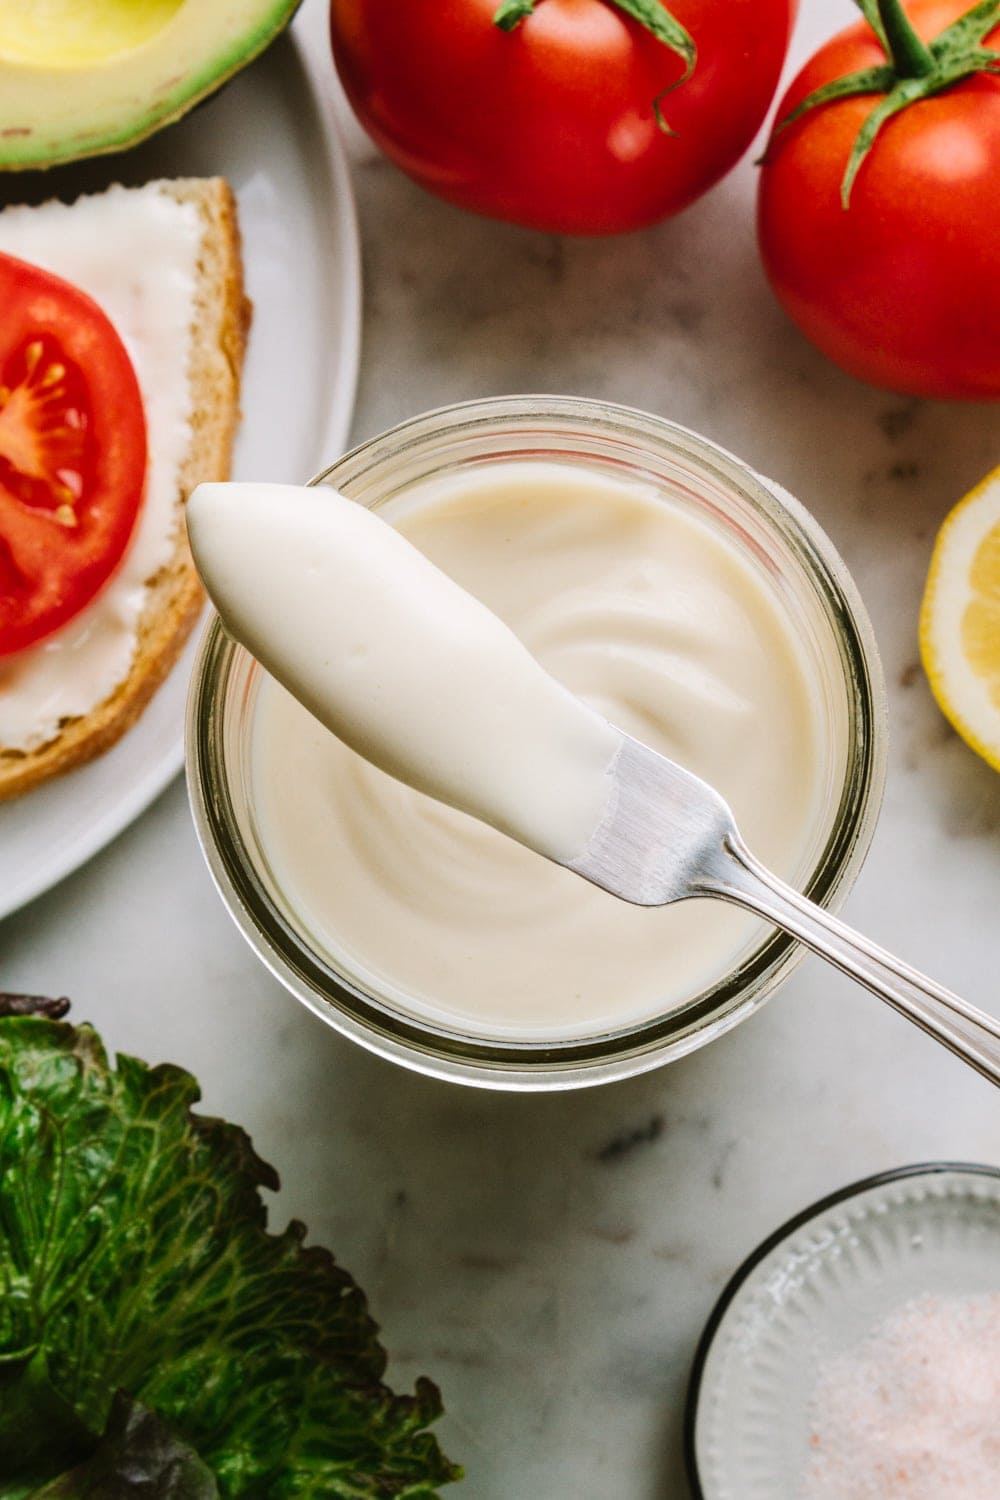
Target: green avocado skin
[[51, 116]]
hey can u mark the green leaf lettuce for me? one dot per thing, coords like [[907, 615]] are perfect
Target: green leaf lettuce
[[134, 1256]]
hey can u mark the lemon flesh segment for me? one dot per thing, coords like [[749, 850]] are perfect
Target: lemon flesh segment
[[981, 621], [960, 620]]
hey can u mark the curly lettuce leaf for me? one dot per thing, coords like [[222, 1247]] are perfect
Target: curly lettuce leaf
[[134, 1256]]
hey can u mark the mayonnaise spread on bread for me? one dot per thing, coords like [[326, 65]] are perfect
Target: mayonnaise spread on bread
[[135, 251]]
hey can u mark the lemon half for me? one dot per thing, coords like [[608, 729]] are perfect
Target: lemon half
[[960, 619]]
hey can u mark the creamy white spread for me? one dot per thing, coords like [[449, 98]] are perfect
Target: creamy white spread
[[403, 665], [645, 611], [135, 251]]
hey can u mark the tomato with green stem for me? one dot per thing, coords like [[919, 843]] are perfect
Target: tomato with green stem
[[879, 198], [72, 452], [573, 116]]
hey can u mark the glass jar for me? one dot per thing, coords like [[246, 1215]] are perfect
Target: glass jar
[[812, 585]]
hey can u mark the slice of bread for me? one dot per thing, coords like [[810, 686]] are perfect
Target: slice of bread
[[215, 342]]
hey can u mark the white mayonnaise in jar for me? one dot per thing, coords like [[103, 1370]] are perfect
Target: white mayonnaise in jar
[[695, 606]]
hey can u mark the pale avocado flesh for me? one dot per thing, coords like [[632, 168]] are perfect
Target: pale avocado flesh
[[70, 89]]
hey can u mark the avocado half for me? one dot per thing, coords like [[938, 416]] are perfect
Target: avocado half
[[80, 79]]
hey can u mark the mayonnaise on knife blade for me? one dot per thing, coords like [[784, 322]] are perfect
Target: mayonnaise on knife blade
[[400, 662]]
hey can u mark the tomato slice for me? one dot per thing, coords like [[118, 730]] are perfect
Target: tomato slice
[[72, 452]]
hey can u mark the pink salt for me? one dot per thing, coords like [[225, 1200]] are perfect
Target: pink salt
[[913, 1413]]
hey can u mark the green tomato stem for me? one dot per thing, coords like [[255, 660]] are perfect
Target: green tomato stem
[[912, 72], [910, 57], [652, 14], [510, 12]]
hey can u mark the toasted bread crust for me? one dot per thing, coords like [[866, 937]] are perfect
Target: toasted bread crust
[[220, 323]]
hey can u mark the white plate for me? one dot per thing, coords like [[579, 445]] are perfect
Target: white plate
[[812, 1292], [271, 132]]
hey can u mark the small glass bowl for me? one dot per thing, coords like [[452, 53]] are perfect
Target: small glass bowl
[[782, 541], [809, 1295]]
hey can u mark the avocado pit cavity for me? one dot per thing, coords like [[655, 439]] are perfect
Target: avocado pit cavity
[[62, 33]]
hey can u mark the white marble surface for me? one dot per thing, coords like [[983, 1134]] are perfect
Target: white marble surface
[[550, 1261]]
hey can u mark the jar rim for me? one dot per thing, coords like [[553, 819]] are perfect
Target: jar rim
[[524, 1065]]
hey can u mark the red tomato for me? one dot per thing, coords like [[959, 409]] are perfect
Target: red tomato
[[900, 288], [552, 125], [72, 452]]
